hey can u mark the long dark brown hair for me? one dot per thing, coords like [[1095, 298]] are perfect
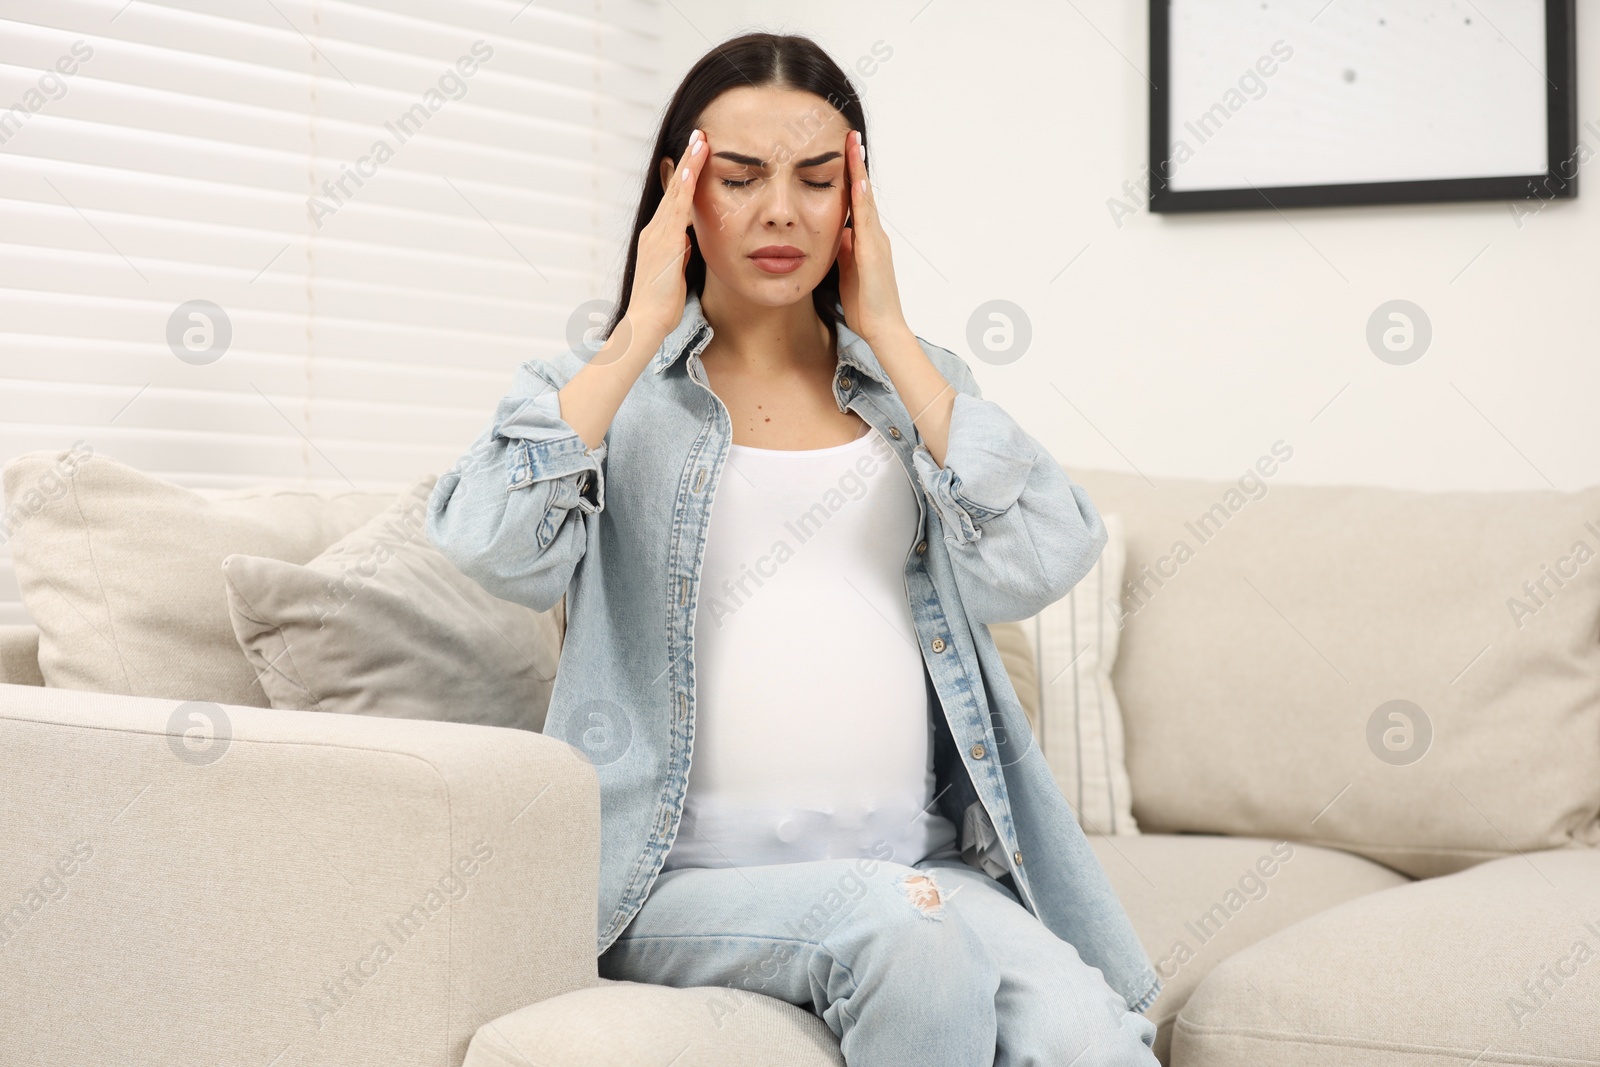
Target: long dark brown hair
[[783, 61]]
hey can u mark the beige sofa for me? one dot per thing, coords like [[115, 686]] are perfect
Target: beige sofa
[[1323, 877]]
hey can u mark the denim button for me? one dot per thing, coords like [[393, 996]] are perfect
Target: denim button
[[844, 383], [922, 546], [894, 432], [938, 644], [977, 751], [1017, 858]]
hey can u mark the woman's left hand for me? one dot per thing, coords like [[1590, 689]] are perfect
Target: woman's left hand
[[867, 288]]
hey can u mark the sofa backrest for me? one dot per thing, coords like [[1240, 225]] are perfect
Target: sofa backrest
[[1411, 676]]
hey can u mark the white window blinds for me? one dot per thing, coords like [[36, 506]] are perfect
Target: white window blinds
[[265, 240]]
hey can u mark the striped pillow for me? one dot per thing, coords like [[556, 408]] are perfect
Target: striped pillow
[[1080, 723]]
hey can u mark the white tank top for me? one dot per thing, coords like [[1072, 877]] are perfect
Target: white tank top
[[813, 735]]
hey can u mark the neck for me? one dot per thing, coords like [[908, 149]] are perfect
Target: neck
[[757, 338]]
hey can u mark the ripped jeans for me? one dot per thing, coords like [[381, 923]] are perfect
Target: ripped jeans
[[934, 963]]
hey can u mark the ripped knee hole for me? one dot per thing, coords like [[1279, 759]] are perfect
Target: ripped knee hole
[[923, 893]]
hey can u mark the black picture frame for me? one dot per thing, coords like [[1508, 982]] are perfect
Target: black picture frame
[[1561, 67]]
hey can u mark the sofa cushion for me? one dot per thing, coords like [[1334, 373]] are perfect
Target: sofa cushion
[[122, 570], [1411, 676], [381, 624], [1196, 899], [625, 1024], [1494, 965]]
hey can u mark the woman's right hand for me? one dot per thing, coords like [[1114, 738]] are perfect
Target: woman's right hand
[[591, 398], [660, 286]]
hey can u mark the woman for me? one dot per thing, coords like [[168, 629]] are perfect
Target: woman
[[866, 785]]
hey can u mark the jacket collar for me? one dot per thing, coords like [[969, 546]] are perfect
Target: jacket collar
[[853, 350]]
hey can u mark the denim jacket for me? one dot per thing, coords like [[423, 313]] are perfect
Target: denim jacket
[[533, 514]]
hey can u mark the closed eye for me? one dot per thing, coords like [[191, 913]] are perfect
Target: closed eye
[[730, 183]]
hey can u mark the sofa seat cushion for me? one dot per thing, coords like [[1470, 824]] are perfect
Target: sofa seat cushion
[[1497, 964], [1196, 899], [625, 1024]]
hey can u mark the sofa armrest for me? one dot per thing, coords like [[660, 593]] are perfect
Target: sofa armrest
[[282, 887], [19, 655]]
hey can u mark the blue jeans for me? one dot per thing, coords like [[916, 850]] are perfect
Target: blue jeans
[[933, 963]]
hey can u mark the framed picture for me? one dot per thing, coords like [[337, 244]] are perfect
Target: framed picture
[[1293, 103]]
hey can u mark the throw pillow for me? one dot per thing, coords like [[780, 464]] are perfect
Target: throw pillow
[[381, 624], [122, 570], [1014, 642], [1080, 729]]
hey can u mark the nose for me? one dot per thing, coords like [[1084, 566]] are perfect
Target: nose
[[777, 203]]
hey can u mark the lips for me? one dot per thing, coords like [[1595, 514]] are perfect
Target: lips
[[778, 259]]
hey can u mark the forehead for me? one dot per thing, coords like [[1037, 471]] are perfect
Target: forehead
[[756, 119]]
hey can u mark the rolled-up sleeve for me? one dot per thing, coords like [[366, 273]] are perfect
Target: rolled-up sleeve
[[513, 512], [1020, 532]]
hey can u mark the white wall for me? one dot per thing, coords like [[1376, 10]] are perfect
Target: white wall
[[1189, 344]]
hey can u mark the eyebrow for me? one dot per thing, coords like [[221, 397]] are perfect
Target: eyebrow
[[752, 161]]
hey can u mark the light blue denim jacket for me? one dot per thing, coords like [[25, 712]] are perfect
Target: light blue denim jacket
[[532, 514]]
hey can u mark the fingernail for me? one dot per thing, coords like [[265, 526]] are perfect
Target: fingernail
[[684, 174], [694, 149]]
